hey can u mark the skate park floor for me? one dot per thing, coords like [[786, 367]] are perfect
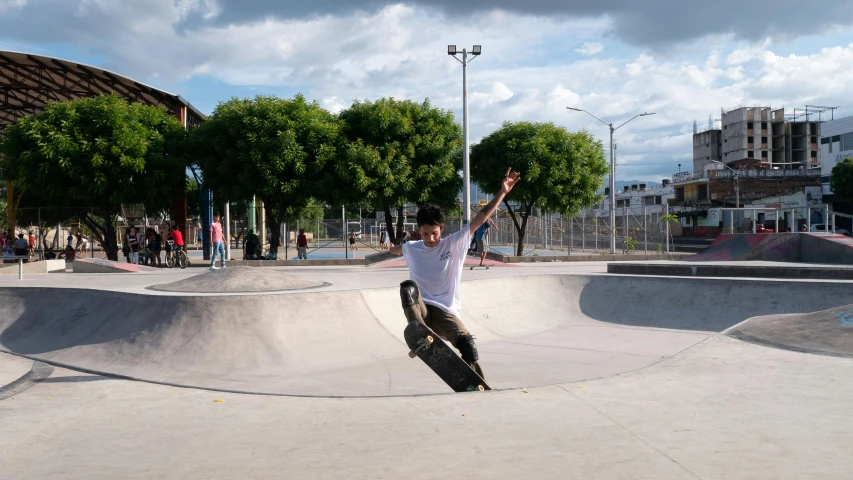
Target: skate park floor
[[599, 376]]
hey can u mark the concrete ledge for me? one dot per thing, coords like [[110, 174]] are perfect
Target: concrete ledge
[[286, 263], [37, 267], [586, 258], [757, 271]]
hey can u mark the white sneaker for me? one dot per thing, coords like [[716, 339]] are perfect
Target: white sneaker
[[214, 268]]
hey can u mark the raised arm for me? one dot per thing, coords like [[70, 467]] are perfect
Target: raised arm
[[510, 179]]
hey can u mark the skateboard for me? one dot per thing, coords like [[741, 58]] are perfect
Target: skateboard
[[480, 266], [438, 356]]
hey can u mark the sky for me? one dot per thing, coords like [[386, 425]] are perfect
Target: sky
[[683, 61]]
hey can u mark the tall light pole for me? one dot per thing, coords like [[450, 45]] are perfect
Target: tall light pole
[[612, 173], [466, 171]]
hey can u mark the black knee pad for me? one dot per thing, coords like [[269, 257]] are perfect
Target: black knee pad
[[409, 293], [467, 348]]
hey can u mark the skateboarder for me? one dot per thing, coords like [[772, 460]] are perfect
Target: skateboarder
[[431, 296]]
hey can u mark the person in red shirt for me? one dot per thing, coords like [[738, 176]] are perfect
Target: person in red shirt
[[302, 245], [177, 239]]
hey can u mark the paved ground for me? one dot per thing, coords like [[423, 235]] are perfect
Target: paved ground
[[635, 381]]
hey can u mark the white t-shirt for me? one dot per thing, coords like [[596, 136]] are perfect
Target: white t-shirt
[[438, 270]]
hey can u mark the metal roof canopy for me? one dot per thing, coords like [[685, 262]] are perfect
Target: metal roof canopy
[[28, 82]]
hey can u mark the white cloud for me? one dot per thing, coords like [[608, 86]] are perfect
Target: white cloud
[[590, 48], [400, 51]]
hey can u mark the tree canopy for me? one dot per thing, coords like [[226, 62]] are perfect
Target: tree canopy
[[561, 171], [279, 150], [401, 151], [841, 181], [94, 154]]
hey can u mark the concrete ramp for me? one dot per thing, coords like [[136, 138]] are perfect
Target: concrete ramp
[[828, 332], [99, 265], [36, 267], [532, 331], [779, 247]]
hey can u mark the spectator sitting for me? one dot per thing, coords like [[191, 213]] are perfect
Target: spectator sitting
[[68, 254], [21, 246], [252, 244], [50, 254]]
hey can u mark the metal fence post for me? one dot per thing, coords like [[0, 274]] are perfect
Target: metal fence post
[[645, 232]]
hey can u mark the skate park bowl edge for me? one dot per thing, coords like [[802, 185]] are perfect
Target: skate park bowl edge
[[779, 247], [531, 331]]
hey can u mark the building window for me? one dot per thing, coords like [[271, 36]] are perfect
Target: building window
[[763, 139], [749, 125], [764, 125], [824, 140], [847, 142], [750, 154], [750, 139], [836, 138], [814, 154], [764, 154]]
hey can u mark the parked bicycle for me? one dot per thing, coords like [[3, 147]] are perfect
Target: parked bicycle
[[176, 256]]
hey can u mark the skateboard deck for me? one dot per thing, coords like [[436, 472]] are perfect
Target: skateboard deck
[[441, 358], [480, 266]]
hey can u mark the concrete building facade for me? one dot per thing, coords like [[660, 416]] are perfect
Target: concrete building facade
[[795, 144], [707, 148], [747, 142]]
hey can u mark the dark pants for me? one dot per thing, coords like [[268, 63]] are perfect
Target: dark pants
[[446, 325]]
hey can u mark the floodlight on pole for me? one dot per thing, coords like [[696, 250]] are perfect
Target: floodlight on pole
[[466, 171], [612, 171]]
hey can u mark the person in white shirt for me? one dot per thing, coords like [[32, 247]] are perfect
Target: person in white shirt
[[431, 295]]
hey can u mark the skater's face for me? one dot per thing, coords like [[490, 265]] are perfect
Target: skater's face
[[431, 235]]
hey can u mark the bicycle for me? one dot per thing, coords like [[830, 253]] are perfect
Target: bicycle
[[176, 255]]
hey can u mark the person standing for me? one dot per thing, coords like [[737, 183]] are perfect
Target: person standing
[[218, 243], [383, 239], [134, 242], [481, 237], [352, 245], [156, 246], [302, 245]]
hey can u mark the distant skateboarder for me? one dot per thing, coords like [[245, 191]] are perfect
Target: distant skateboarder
[[431, 295]]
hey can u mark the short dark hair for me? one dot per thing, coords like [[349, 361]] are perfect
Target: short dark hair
[[430, 215]]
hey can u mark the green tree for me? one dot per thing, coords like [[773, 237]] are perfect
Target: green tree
[[841, 181], [560, 171], [279, 150], [400, 151], [93, 155]]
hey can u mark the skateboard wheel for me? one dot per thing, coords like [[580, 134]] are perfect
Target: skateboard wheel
[[412, 354], [481, 388], [429, 339]]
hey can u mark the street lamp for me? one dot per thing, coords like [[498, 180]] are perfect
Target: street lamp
[[466, 172], [612, 173]]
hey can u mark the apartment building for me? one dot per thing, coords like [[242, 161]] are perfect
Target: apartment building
[[758, 137]]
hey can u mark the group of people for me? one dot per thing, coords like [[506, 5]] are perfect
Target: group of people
[[12, 246], [150, 245]]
